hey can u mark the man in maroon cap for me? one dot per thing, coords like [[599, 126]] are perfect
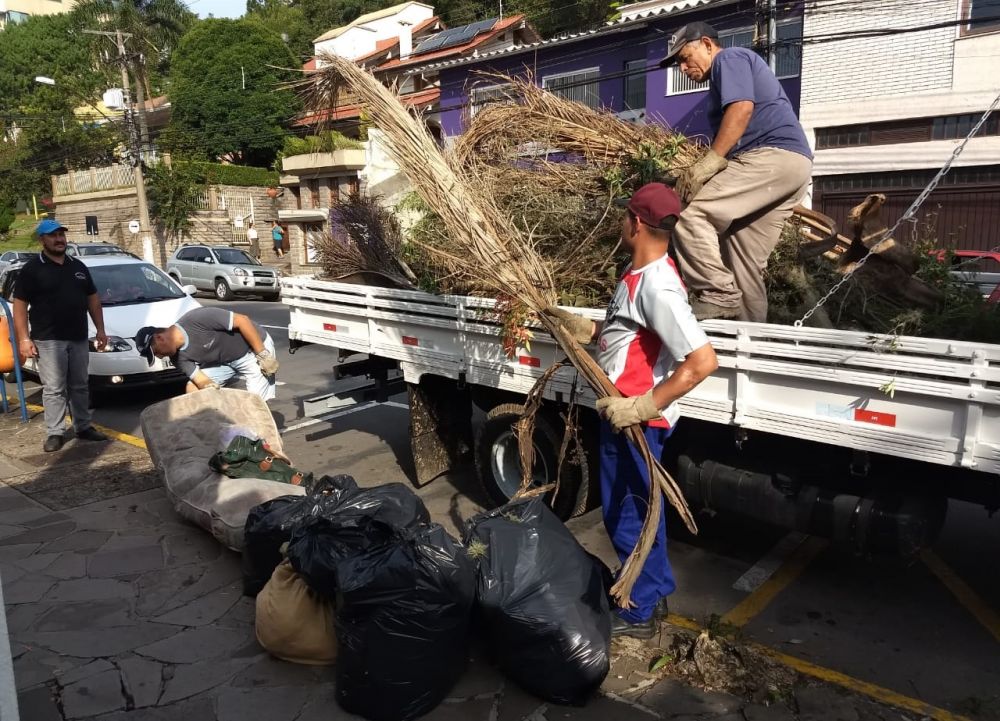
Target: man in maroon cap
[[654, 351]]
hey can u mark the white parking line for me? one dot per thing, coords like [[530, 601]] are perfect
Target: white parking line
[[771, 562], [342, 412]]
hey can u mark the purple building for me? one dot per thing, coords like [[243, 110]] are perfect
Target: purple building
[[615, 66]]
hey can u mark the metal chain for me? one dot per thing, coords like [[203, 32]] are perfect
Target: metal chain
[[911, 211]]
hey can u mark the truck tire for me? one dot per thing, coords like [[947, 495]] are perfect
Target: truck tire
[[222, 290], [499, 469]]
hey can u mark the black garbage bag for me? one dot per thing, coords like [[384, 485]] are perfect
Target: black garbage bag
[[392, 505], [542, 600], [404, 598], [270, 524]]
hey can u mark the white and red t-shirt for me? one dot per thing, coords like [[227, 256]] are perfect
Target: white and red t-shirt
[[648, 330]]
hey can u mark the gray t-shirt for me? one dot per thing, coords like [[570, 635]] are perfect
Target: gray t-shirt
[[741, 74], [210, 340]]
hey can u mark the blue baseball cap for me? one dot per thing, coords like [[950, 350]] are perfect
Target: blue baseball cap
[[49, 225]]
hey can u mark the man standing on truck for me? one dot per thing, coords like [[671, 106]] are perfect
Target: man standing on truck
[[214, 347], [654, 351], [744, 188]]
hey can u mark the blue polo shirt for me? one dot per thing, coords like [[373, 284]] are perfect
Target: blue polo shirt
[[741, 74]]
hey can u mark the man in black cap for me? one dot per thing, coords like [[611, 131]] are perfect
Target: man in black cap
[[741, 192], [214, 347], [654, 351], [55, 293]]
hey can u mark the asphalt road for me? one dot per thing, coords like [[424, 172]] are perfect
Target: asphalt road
[[926, 631]]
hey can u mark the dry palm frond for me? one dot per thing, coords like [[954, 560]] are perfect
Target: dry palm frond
[[365, 238], [498, 253]]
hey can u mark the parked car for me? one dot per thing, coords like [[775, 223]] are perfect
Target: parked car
[[134, 294], [85, 249], [10, 263], [224, 270], [979, 268]]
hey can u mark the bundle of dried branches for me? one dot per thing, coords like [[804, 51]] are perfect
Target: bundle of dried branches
[[364, 238], [496, 251]]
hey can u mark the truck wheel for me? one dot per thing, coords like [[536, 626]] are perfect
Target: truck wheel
[[498, 463], [222, 290]]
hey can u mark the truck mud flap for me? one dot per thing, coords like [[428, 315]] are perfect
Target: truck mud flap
[[440, 427]]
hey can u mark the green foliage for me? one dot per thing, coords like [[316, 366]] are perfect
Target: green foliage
[[284, 21], [174, 195], [240, 175], [6, 220], [326, 142], [213, 114]]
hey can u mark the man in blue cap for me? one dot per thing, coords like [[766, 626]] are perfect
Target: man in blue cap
[[55, 292], [741, 192]]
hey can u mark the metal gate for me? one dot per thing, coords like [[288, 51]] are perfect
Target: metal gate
[[239, 207]]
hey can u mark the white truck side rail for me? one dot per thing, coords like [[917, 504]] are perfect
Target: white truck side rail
[[920, 398]]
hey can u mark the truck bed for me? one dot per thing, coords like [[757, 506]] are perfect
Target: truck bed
[[926, 399]]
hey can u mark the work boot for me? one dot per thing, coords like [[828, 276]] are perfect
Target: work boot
[[706, 310], [52, 444], [661, 611], [91, 434], [642, 630]]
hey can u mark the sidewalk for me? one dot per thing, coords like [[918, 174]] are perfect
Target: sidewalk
[[118, 610]]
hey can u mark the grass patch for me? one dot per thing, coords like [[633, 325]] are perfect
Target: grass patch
[[20, 236]]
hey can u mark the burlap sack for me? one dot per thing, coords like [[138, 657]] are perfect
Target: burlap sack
[[293, 623], [182, 433]]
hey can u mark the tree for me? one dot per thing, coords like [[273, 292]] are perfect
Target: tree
[[227, 95], [286, 22], [174, 196]]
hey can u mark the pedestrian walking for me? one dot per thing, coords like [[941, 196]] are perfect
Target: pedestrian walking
[[654, 351], [53, 296], [215, 347], [744, 189], [278, 238], [254, 241]]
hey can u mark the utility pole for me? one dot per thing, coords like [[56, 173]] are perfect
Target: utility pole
[[766, 31], [135, 145]]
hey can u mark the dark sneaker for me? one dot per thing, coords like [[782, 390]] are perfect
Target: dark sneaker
[[661, 611], [52, 443], [642, 630], [91, 434], [704, 310]]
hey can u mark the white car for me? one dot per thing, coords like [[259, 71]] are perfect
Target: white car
[[134, 294]]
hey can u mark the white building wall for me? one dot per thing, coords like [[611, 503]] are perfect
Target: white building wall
[[360, 40], [894, 77]]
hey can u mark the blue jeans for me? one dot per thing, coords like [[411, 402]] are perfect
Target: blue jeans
[[624, 498], [63, 368], [245, 369]]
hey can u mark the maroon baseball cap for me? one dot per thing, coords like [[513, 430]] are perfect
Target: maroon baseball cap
[[653, 203]]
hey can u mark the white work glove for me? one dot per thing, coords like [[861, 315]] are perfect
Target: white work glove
[[690, 181], [267, 362], [582, 329], [628, 411]]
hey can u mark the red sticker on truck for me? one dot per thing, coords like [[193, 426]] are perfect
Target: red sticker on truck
[[410, 340], [329, 326], [879, 419], [527, 360]]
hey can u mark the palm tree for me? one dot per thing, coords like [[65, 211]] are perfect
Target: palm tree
[[150, 29]]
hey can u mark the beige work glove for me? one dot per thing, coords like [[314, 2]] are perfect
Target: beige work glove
[[691, 180], [267, 362], [628, 411], [582, 329]]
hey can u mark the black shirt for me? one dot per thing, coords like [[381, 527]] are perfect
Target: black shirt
[[211, 340], [56, 295]]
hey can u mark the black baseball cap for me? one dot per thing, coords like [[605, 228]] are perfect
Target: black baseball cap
[[683, 36], [143, 342], [653, 203]]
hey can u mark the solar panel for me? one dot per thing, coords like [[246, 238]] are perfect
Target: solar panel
[[454, 36]]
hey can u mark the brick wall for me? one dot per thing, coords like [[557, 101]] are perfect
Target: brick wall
[[869, 68]]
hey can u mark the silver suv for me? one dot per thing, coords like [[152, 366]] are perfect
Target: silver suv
[[223, 270]]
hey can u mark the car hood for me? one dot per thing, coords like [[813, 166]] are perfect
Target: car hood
[[126, 320]]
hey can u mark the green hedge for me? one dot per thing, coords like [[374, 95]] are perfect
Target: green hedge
[[241, 175]]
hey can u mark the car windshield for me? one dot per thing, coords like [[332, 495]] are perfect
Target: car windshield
[[131, 283], [234, 256], [100, 250], [23, 256]]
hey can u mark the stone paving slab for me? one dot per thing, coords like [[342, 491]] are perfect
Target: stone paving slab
[[119, 611]]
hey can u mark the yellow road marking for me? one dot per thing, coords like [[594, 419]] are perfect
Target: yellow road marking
[[110, 432], [828, 675], [791, 569], [963, 593]]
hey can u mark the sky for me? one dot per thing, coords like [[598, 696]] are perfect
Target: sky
[[218, 8]]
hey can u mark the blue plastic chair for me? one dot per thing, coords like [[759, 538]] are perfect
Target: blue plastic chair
[[17, 368]]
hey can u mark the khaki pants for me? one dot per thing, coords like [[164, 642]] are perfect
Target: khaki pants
[[725, 236]]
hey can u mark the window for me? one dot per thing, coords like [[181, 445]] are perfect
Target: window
[[635, 85], [13, 16], [132, 284], [482, 96], [956, 127], [788, 49], [678, 82], [910, 130], [311, 190], [842, 137], [983, 16], [580, 86], [313, 236]]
